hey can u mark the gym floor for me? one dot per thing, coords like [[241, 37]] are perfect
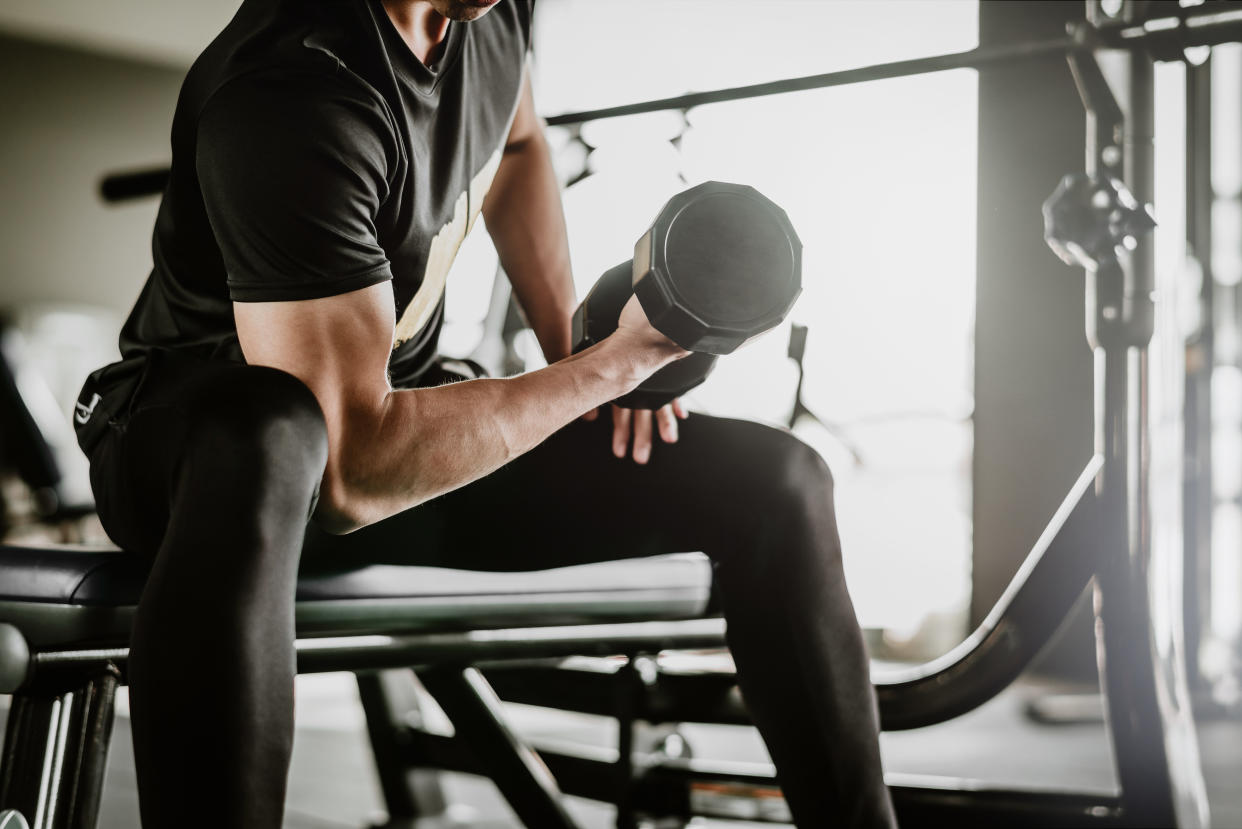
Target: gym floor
[[332, 784]]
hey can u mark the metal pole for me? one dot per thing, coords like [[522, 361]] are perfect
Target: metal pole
[[970, 59], [1200, 356], [1167, 35], [56, 751], [1141, 668], [515, 768]]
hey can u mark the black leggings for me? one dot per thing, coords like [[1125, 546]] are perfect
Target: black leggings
[[213, 472]]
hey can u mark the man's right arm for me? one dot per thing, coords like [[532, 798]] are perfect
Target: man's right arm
[[390, 450]]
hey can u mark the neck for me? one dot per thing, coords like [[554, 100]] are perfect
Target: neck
[[421, 27]]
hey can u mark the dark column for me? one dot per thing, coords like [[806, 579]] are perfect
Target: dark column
[[1033, 367]]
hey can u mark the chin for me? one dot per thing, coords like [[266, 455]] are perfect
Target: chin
[[464, 10]]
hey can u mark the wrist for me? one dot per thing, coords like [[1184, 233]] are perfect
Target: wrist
[[640, 357]]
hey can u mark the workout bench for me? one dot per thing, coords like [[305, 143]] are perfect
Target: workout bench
[[64, 639]]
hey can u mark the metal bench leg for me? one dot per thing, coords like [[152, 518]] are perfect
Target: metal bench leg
[[513, 765], [56, 751], [390, 701]]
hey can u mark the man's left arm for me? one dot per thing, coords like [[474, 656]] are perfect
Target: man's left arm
[[527, 224]]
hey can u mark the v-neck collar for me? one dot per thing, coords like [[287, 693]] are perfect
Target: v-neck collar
[[422, 77]]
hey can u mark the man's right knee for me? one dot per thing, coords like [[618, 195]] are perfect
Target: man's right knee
[[260, 432]]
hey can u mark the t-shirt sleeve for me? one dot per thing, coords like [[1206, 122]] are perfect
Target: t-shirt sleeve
[[525, 15], [293, 172]]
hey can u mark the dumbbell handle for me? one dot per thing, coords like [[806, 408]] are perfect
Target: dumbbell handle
[[607, 299]]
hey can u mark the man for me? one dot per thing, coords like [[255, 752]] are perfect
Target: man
[[328, 159]]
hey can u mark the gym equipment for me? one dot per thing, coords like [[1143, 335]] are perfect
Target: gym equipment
[[10, 819], [720, 265], [64, 613], [24, 451], [1088, 221]]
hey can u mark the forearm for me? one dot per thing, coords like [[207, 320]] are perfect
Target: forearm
[[527, 224], [420, 443]]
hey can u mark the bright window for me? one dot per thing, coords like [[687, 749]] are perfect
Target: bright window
[[879, 180]]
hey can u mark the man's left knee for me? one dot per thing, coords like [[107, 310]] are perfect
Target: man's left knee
[[797, 474]]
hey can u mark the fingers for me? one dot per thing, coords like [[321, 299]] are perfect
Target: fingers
[[620, 430], [643, 423], [591, 415], [642, 435], [666, 423]]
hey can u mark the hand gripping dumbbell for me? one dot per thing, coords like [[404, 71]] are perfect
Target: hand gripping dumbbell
[[720, 265]]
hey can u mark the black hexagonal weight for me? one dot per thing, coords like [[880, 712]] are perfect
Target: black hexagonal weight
[[720, 265]]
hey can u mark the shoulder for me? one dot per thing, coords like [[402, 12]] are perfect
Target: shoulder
[[509, 22], [291, 111], [296, 98]]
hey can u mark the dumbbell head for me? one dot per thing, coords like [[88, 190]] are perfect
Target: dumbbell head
[[720, 265]]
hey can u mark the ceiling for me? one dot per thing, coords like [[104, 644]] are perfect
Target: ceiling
[[170, 32]]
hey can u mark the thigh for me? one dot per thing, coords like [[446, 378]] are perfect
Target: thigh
[[570, 501], [135, 465]]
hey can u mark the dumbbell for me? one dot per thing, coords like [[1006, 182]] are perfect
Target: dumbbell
[[720, 265]]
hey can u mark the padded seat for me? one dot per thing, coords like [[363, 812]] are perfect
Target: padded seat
[[69, 597]]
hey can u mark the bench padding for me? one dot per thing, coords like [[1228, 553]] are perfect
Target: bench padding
[[62, 597]]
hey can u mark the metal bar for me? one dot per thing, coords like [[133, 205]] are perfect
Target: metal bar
[[1023, 621], [627, 697], [707, 697], [987, 808], [1127, 671], [970, 59], [316, 655], [1204, 28], [1153, 741], [390, 703], [86, 760], [1200, 357], [26, 747], [133, 184], [56, 751], [375, 652], [512, 765], [664, 789]]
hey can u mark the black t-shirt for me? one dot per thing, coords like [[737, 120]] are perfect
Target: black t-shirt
[[312, 155]]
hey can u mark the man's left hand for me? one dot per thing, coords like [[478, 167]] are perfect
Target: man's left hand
[[639, 424]]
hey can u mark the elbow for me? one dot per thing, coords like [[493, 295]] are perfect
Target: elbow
[[338, 516], [335, 521], [342, 508], [345, 505]]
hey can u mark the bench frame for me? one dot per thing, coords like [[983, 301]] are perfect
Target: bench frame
[[60, 724]]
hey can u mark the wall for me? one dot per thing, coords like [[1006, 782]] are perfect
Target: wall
[[69, 117]]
